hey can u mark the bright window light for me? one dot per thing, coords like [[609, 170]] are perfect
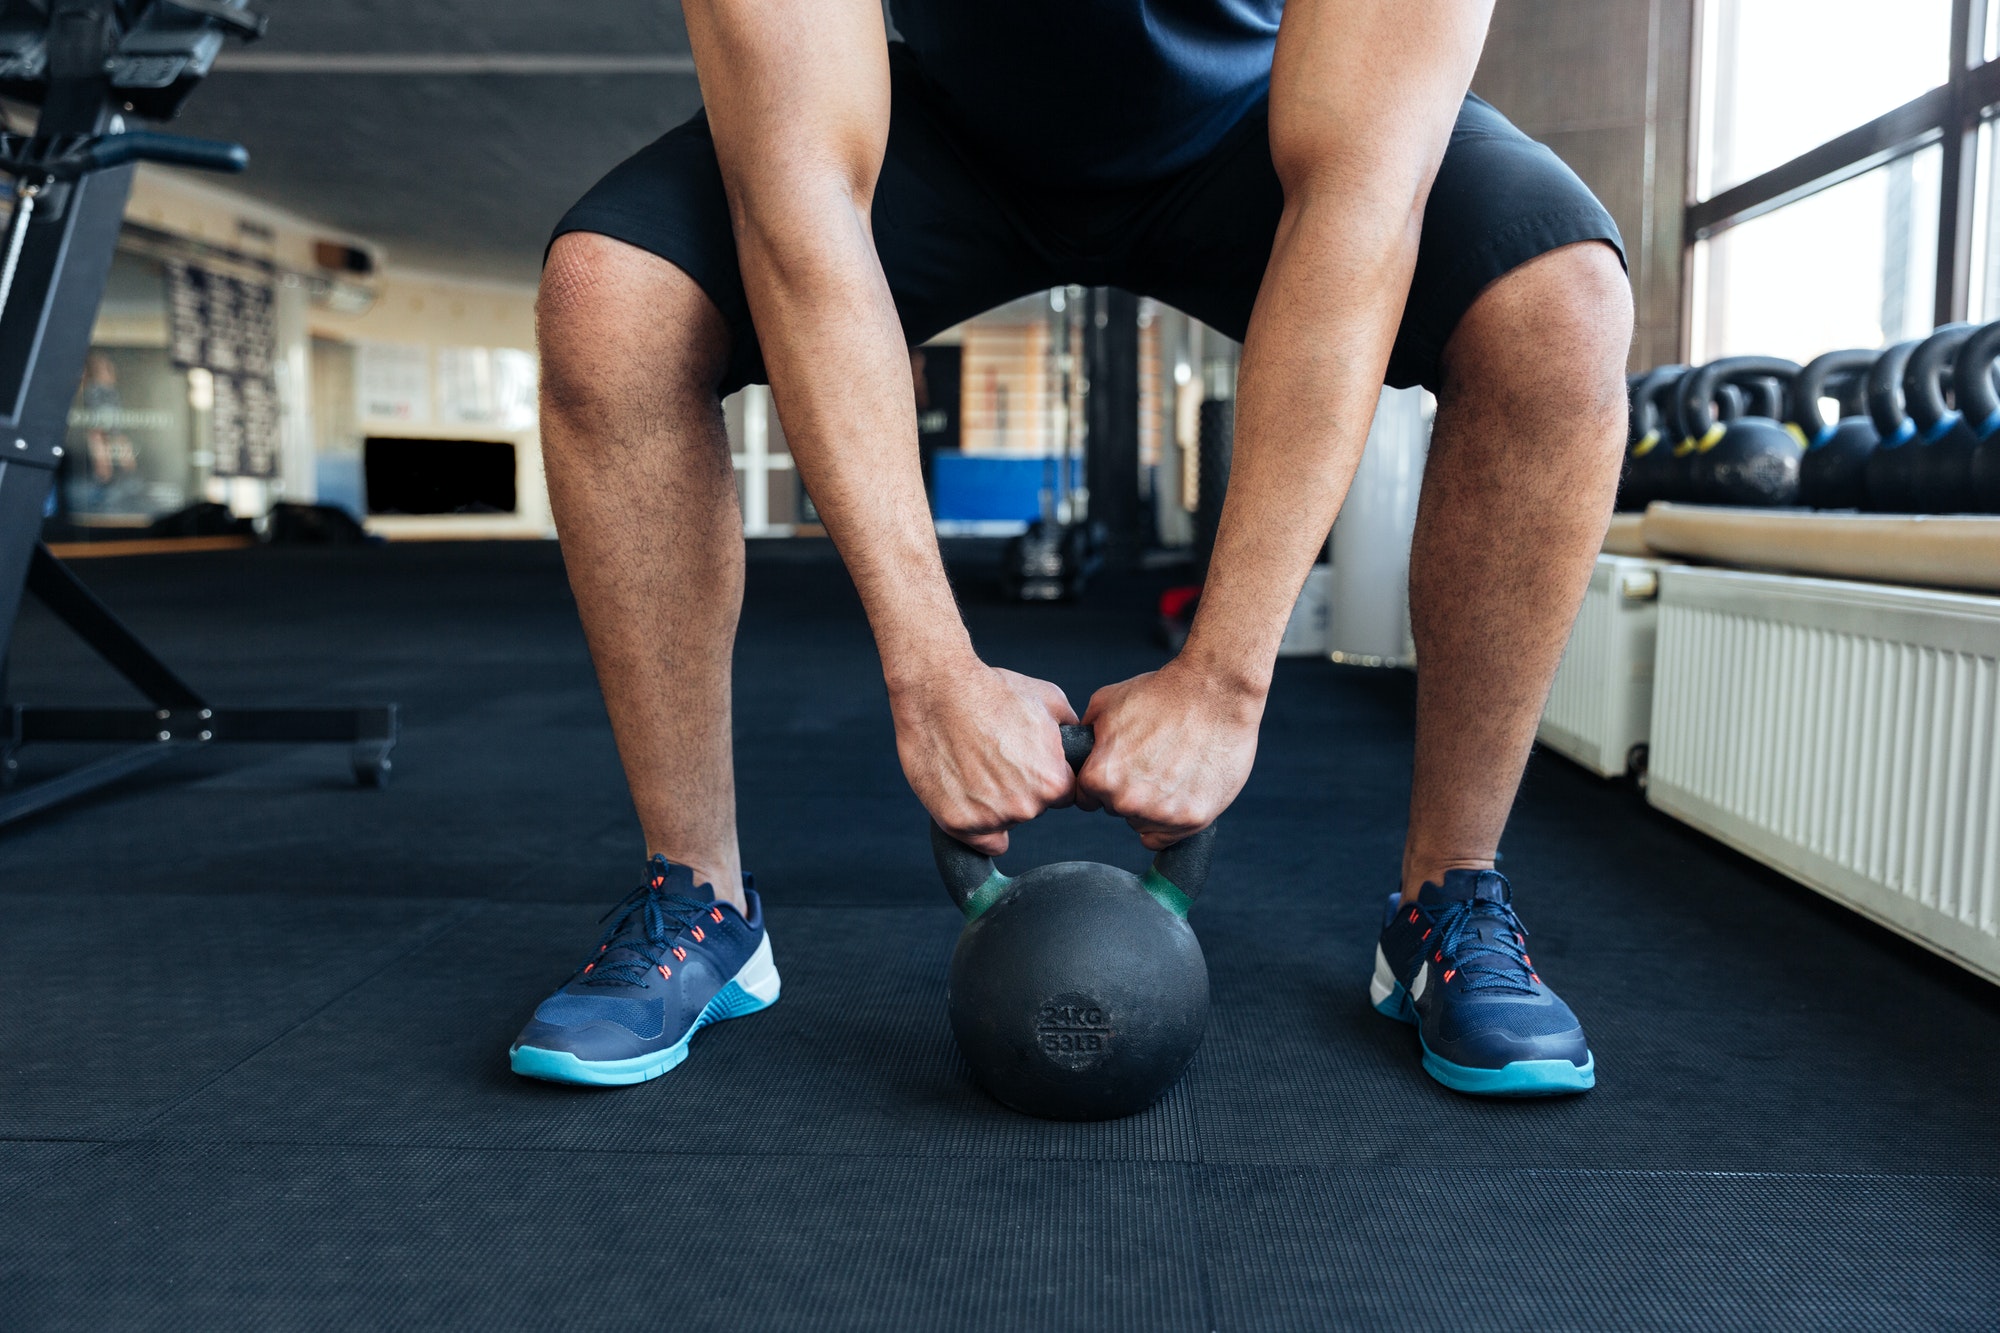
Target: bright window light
[[1784, 76], [1854, 265], [1983, 289]]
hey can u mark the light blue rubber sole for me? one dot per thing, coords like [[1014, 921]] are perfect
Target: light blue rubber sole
[[1523, 1078], [732, 1001]]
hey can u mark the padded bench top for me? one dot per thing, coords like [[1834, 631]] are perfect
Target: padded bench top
[[1954, 551]]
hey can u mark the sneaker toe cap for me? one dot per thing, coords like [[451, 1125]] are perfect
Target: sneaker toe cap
[[1494, 1034], [599, 1040]]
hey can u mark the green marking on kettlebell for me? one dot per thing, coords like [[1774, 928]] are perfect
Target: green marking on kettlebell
[[1798, 435], [987, 894], [1685, 447], [1166, 893], [1647, 443], [1712, 438]]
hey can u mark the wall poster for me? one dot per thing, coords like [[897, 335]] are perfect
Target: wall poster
[[225, 325]]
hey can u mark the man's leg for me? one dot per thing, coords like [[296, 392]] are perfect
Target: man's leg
[[1516, 498], [645, 500]]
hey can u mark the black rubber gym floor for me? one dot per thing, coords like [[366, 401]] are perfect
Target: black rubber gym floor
[[253, 1022]]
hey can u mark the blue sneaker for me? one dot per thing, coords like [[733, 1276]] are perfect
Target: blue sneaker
[[1456, 965], [671, 963]]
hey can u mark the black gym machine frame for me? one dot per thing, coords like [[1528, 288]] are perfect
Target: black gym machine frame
[[89, 63]]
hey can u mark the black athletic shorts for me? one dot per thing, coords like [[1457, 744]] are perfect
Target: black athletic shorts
[[958, 237]]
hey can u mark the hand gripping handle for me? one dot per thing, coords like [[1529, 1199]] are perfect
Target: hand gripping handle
[[1177, 877]]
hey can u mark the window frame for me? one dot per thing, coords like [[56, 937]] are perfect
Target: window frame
[[1949, 115]]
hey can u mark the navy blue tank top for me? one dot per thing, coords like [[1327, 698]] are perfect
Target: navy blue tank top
[[1092, 92]]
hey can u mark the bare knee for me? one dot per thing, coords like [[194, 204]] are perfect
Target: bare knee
[[1547, 343], [623, 332]]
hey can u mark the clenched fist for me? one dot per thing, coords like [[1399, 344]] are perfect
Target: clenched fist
[[1173, 749], [982, 751]]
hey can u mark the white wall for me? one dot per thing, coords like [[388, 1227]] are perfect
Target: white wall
[[412, 308]]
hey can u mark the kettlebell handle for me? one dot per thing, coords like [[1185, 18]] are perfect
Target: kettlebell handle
[[1645, 405], [1177, 877], [1924, 374], [1698, 387], [1885, 392], [1972, 380], [1810, 385]]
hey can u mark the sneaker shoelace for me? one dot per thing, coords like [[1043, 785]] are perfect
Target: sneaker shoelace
[[644, 925], [1489, 960]]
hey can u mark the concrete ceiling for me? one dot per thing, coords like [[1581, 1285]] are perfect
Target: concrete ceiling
[[452, 132]]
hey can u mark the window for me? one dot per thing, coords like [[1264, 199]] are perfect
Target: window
[[1844, 172], [1850, 266], [1983, 301], [1783, 76]]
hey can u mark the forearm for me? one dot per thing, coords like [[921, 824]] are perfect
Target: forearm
[[1363, 97], [1306, 394], [797, 93], [841, 378]]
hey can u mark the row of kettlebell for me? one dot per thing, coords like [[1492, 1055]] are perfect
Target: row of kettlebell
[[1916, 430]]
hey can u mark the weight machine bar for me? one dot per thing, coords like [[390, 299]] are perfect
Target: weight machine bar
[[44, 338], [45, 329], [82, 779], [23, 490], [205, 725], [76, 606]]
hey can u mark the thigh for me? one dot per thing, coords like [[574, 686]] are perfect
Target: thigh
[[950, 246], [1500, 200]]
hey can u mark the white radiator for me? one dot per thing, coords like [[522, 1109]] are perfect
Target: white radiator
[[1845, 734], [1601, 705]]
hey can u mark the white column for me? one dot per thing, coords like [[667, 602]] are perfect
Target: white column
[[1369, 621], [756, 460], [297, 477]]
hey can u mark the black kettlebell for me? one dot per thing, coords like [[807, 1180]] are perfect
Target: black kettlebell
[[1648, 437], [1831, 473], [1653, 472], [1752, 460], [1077, 990], [1940, 453], [1664, 473], [1887, 472], [1979, 404]]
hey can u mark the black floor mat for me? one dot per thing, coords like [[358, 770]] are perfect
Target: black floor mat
[[253, 1022], [275, 1236]]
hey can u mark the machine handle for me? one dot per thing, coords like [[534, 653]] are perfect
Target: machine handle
[[115, 150]]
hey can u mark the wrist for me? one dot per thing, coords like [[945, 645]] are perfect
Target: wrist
[[1234, 684], [915, 662]]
